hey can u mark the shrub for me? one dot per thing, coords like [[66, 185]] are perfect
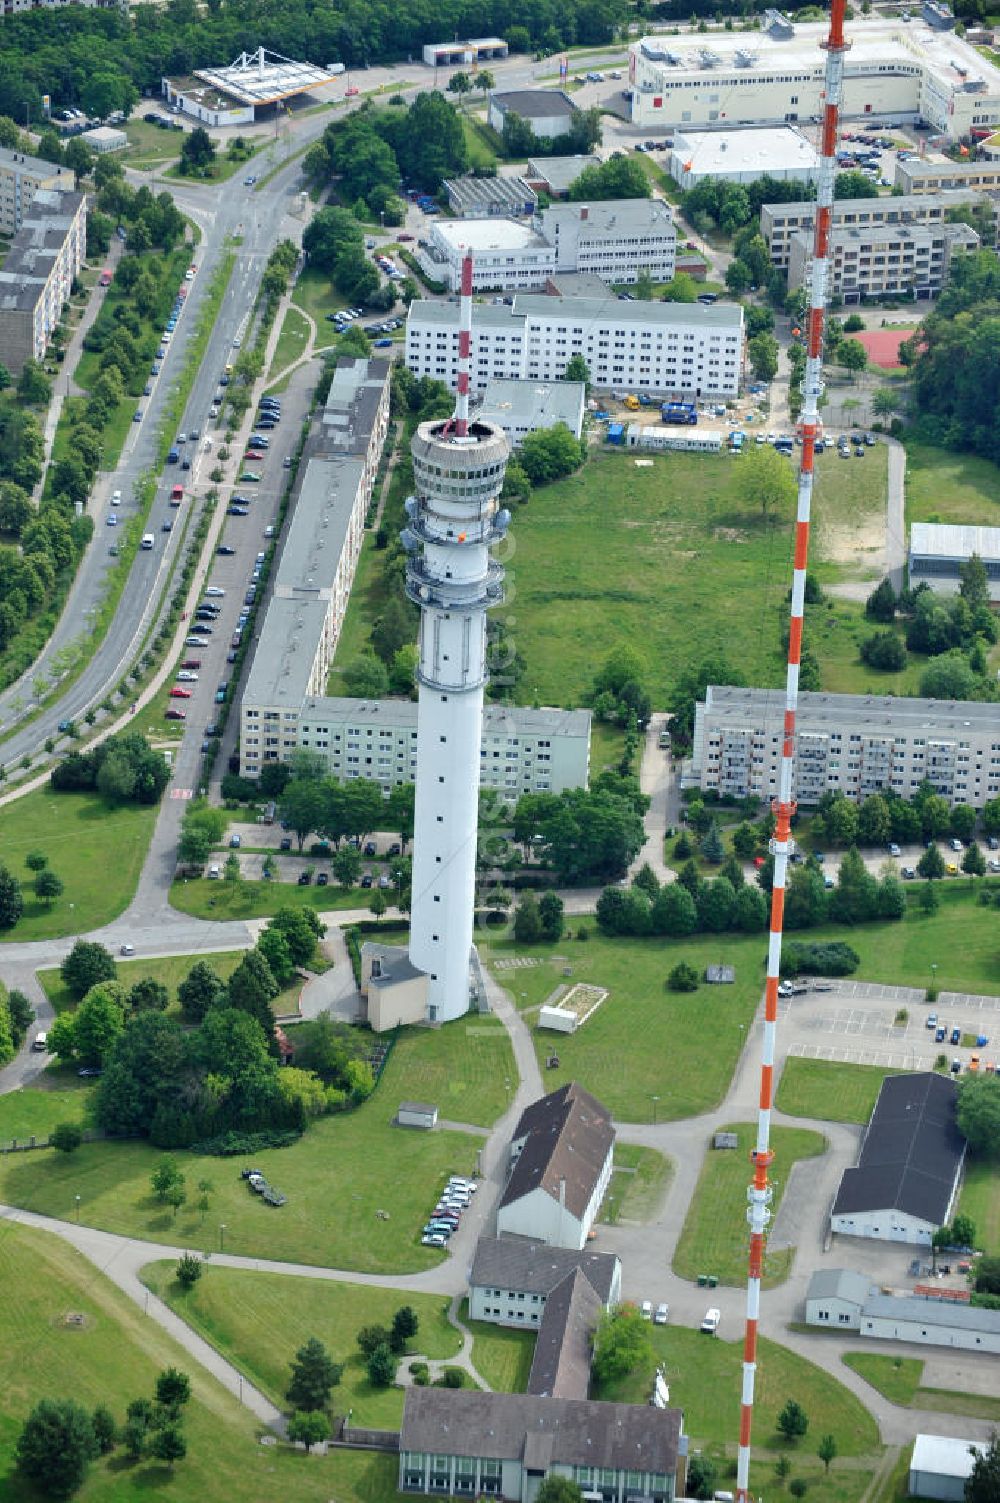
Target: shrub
[[832, 959], [451, 1377], [228, 1144], [683, 978]]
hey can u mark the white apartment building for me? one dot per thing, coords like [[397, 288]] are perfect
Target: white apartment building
[[20, 179], [523, 750], [615, 239], [682, 349], [894, 69], [37, 274], [779, 222], [853, 744], [883, 260]]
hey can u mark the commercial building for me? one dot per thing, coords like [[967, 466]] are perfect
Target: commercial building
[[938, 551], [940, 1466], [855, 744], [249, 89], [104, 139], [315, 570], [556, 175], [511, 1278], [549, 112], [20, 7], [671, 349], [743, 156], [905, 1183], [839, 1299], [20, 179], [939, 177], [561, 1159], [660, 436], [521, 407], [780, 222], [37, 274], [461, 54], [522, 750], [894, 70], [910, 260], [503, 1445], [835, 1296], [490, 197], [618, 240]]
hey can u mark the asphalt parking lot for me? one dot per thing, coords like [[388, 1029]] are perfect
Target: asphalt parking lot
[[855, 1024]]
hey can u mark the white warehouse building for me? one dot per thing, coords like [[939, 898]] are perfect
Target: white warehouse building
[[894, 70], [939, 549], [743, 156], [671, 349]]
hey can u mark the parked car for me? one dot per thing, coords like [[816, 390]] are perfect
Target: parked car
[[305, 878], [175, 715], [956, 1035]]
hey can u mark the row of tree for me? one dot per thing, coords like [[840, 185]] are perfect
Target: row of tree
[[16, 1017], [124, 769], [954, 357]]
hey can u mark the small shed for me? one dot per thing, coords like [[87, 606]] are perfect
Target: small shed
[[416, 1114], [558, 1019], [616, 433], [725, 1140], [103, 138], [940, 1467], [720, 975]]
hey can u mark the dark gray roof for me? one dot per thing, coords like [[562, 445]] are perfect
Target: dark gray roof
[[912, 1151], [424, 1107], [516, 1427], [567, 1136], [931, 1312], [560, 1367], [535, 104], [535, 1268]]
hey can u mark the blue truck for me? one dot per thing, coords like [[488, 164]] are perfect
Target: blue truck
[[679, 412]]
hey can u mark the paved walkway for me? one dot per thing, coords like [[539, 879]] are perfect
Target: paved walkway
[[656, 780]]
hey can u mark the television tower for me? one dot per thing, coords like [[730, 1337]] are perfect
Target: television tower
[[759, 1193], [454, 518]]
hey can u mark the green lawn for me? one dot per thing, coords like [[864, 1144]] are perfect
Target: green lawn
[[259, 1321], [828, 1091], [981, 1201], [942, 486], [96, 848], [33, 1111], [170, 970], [341, 1173], [714, 1237], [638, 1184], [643, 1040], [316, 295], [148, 146], [114, 1357], [501, 1355], [653, 546], [461, 1067], [291, 341], [368, 596], [481, 153], [898, 1378], [221, 900], [607, 743]]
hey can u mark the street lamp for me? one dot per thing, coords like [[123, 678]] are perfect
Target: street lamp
[[78, 1210], [222, 1237], [654, 1100], [933, 975]]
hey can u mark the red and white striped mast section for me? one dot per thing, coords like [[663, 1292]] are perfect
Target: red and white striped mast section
[[759, 1193], [464, 348]]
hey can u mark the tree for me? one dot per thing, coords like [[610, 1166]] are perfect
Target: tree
[[21, 1013], [881, 603], [252, 988], [274, 948], [983, 1483], [885, 402], [683, 978], [762, 351], [346, 865], [197, 153], [577, 369], [105, 1429], [48, 887], [557, 1489], [621, 1344], [963, 1231], [527, 920], [148, 996], [701, 1477], [827, 1451], [99, 1022], [309, 1426], [56, 1446], [165, 1178], [928, 899], [301, 807], [66, 1137], [548, 454], [711, 845], [367, 677], [168, 1444], [766, 480], [973, 861], [314, 1376], [793, 1421], [550, 913], [188, 1270], [883, 650], [301, 927], [852, 355], [173, 1390], [11, 899], [979, 1113], [381, 1367], [931, 864], [200, 991], [33, 386], [86, 964], [405, 1324]]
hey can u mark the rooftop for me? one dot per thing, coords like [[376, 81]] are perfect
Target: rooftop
[[593, 310], [917, 170], [778, 149], [911, 1153], [931, 1312], [839, 1283], [536, 1268], [888, 234], [560, 1367], [534, 104], [105, 134], [401, 714], [512, 403], [952, 540], [516, 1427], [396, 966], [348, 418], [560, 173], [18, 161], [577, 284], [478, 235], [944, 1455], [859, 711], [263, 77], [902, 204], [567, 1137], [620, 216], [513, 193]]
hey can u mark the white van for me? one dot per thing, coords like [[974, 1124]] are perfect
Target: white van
[[147, 541], [713, 1319], [40, 1043]]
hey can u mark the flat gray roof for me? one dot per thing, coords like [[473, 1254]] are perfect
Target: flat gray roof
[[534, 104], [559, 172], [484, 315], [953, 540], [877, 712], [620, 216], [902, 203], [348, 417], [543, 403], [931, 1312], [947, 169], [285, 654], [319, 524], [401, 714], [727, 316], [944, 1455], [511, 193], [263, 77], [18, 161]]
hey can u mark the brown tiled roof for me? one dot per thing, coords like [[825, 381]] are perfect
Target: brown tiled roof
[[560, 1368], [568, 1136]]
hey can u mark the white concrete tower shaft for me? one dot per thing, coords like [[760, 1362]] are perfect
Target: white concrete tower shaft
[[454, 518]]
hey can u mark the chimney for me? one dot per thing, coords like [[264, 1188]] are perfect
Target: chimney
[[562, 1192], [584, 212]]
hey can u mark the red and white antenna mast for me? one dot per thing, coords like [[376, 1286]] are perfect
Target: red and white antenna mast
[[759, 1193], [464, 348]]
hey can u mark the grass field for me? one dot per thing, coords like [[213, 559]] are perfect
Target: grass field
[[259, 1321], [829, 1091], [898, 1378], [33, 1111], [170, 970], [97, 849], [114, 1357], [221, 900], [291, 341], [501, 1355], [981, 1200], [148, 146], [638, 1184], [942, 486], [315, 294], [655, 544], [643, 1040], [337, 1177], [368, 595], [714, 1237], [481, 154]]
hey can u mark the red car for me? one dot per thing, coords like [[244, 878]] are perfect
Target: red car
[[178, 693], [254, 454], [191, 663], [175, 714]]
